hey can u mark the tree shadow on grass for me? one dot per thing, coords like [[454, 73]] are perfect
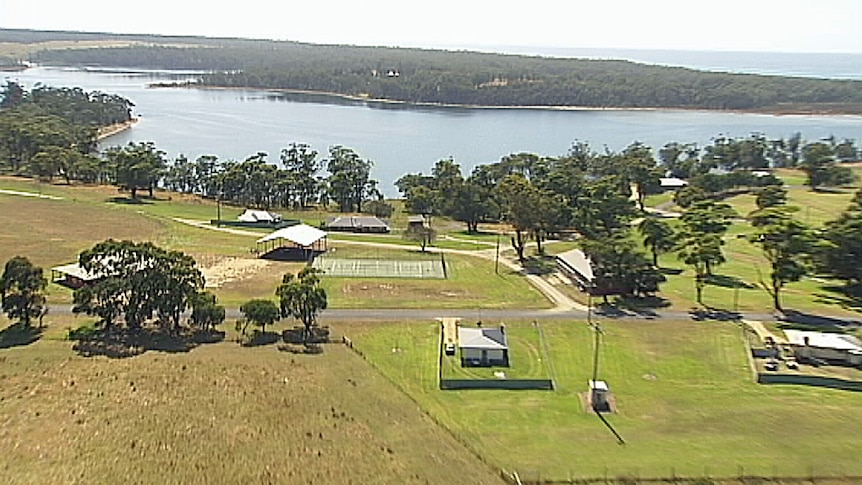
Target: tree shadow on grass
[[847, 297], [540, 265], [803, 320], [19, 335], [725, 281], [644, 306], [258, 339], [713, 313], [122, 343], [293, 340], [129, 200]]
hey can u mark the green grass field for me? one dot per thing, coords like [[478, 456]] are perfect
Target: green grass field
[[686, 402], [54, 232], [471, 284], [527, 359]]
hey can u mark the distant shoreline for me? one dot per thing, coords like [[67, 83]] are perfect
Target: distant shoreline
[[823, 110], [117, 128]]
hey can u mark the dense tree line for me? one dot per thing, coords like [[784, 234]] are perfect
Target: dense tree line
[[596, 195], [465, 78], [49, 132]]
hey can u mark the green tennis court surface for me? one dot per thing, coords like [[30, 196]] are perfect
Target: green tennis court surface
[[381, 268]]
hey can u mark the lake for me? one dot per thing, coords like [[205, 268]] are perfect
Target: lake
[[399, 139]]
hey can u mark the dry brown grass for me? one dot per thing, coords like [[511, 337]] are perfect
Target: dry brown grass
[[218, 414], [51, 232]]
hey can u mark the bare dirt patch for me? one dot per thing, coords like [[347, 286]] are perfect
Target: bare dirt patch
[[220, 270]]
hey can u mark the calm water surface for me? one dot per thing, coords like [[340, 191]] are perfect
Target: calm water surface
[[233, 124]]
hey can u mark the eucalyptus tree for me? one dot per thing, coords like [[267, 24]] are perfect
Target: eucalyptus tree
[[786, 243], [641, 171], [604, 208], [840, 251], [22, 290], [618, 268], [658, 236], [302, 165], [771, 196], [301, 297], [137, 166], [703, 225], [136, 281], [206, 312], [521, 209], [821, 168], [260, 312], [349, 182]]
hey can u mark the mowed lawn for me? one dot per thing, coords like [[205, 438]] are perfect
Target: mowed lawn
[[687, 405], [53, 232], [471, 283], [218, 414]]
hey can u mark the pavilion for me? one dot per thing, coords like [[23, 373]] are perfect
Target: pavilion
[[299, 242]]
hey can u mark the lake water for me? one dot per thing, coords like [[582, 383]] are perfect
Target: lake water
[[233, 124]]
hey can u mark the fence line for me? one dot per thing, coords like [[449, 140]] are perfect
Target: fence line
[[522, 478], [547, 356], [466, 444]]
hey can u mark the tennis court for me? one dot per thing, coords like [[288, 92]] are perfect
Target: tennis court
[[382, 268]]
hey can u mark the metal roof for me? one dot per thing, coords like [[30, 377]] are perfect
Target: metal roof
[[482, 338], [301, 234]]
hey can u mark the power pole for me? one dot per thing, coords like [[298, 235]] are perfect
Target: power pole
[[497, 256]]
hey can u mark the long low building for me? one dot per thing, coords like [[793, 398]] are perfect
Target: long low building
[[576, 265], [368, 224], [831, 347]]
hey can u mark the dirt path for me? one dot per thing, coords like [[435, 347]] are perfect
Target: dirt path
[[562, 303], [29, 194]]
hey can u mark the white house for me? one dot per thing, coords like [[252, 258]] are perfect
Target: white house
[[483, 346]]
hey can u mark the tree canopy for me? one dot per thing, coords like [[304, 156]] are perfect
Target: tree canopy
[[466, 78], [22, 290]]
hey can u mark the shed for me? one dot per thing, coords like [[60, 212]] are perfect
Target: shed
[[833, 347], [576, 265], [357, 224], [483, 346], [303, 238], [72, 275]]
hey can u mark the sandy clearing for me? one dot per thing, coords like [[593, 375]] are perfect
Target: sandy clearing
[[218, 270]]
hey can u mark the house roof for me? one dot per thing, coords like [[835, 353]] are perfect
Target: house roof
[[837, 341], [300, 234], [482, 338], [355, 222], [76, 271], [579, 262], [672, 182]]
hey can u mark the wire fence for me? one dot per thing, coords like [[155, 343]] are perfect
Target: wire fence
[[709, 476]]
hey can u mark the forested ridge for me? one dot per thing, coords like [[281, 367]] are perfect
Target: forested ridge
[[446, 77]]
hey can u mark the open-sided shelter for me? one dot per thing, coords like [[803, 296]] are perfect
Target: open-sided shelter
[[576, 265], [299, 240]]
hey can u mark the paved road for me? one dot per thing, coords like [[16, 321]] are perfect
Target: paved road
[[391, 314]]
